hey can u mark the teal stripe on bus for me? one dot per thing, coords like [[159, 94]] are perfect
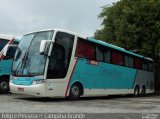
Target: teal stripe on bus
[[103, 76]]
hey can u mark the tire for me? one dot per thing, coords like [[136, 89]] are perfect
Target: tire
[[4, 86], [143, 91], [136, 91], [75, 92]]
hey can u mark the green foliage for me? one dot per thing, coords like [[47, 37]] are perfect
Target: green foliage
[[132, 24]]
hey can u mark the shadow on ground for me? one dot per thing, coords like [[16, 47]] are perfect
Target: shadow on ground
[[46, 99]]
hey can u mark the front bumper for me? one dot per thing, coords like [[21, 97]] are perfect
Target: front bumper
[[35, 90]]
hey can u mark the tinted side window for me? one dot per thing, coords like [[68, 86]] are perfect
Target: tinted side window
[[11, 51], [99, 54], [60, 56], [144, 65], [90, 51], [3, 42], [129, 62], [150, 67], [137, 63], [117, 58], [80, 50], [85, 49], [107, 56]]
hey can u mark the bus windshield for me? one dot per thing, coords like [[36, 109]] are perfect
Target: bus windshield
[[27, 60], [3, 43]]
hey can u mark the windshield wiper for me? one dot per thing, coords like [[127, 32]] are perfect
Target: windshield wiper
[[21, 64]]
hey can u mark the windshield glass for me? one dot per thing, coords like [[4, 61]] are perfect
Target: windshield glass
[[27, 60], [3, 43]]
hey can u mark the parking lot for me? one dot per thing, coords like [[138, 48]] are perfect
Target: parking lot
[[109, 104]]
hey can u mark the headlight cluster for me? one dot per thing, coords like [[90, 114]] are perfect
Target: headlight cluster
[[38, 81], [12, 78]]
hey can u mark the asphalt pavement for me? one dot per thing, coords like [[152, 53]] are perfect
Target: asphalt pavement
[[109, 107]]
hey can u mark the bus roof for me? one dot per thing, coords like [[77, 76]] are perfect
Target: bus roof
[[7, 37], [147, 58], [61, 30], [96, 41], [10, 37], [114, 47]]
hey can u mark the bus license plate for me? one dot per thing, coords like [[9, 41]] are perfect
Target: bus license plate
[[20, 89]]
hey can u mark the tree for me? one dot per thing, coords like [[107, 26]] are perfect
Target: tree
[[133, 24]]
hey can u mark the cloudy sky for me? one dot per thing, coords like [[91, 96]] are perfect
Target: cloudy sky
[[22, 16]]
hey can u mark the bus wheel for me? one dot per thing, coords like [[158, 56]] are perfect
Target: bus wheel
[[136, 91], [143, 92], [75, 92], [4, 86]]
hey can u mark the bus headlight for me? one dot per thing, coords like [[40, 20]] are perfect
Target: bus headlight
[[38, 82], [12, 78], [11, 81]]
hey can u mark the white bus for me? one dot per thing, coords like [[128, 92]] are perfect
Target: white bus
[[60, 63]]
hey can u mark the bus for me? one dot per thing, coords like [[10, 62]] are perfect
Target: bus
[[6, 61], [61, 63]]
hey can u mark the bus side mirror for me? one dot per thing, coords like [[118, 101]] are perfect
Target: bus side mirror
[[44, 47]]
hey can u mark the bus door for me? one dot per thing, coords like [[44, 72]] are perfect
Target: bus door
[[59, 62]]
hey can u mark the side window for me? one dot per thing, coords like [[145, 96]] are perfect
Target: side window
[[90, 51], [137, 63], [11, 51], [107, 56], [85, 49], [117, 58], [144, 65], [60, 56], [80, 50], [150, 67], [129, 62], [3, 42], [99, 54]]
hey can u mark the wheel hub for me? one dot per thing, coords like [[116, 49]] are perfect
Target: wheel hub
[[75, 91], [4, 85]]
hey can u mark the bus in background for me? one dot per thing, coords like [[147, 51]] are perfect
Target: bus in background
[[60, 63], [6, 61]]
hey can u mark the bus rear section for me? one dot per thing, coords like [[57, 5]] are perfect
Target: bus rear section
[[104, 69], [6, 61]]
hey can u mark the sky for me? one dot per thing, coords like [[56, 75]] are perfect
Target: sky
[[18, 17]]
